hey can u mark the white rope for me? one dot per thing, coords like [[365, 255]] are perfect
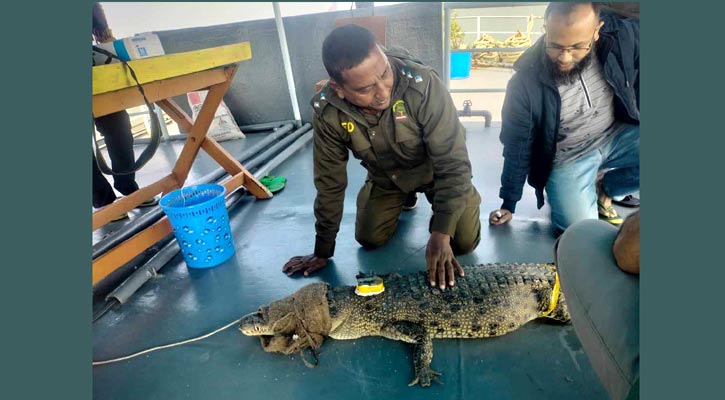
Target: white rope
[[166, 346]]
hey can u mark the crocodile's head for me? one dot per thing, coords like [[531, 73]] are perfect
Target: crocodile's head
[[256, 323], [305, 310]]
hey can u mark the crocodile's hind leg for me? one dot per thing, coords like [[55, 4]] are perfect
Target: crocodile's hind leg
[[416, 334]]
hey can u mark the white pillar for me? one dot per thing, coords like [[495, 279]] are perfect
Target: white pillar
[[286, 61]]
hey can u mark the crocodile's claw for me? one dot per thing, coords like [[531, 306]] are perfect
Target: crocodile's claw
[[424, 376]]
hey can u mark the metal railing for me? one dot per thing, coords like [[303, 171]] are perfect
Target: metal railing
[[447, 7], [478, 31]]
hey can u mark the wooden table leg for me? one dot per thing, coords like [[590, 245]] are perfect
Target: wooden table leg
[[128, 203], [197, 138]]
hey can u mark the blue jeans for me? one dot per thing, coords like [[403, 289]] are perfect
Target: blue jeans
[[571, 189]]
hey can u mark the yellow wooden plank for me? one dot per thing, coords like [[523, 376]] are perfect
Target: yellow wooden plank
[[110, 77], [221, 155], [109, 102]]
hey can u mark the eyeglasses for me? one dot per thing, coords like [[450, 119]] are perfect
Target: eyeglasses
[[556, 50]]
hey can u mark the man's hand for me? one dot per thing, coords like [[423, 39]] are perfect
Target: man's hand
[[500, 216], [441, 262], [308, 264]]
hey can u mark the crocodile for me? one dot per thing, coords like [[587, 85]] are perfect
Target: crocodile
[[489, 300]]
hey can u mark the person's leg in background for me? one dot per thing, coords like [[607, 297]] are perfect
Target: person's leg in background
[[103, 193], [116, 131], [603, 302]]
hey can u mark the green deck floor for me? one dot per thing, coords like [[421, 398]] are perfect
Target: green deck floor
[[539, 361]]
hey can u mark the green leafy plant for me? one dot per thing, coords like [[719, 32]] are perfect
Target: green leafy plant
[[457, 34]]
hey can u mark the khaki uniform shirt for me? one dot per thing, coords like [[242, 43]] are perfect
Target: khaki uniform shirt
[[417, 144]]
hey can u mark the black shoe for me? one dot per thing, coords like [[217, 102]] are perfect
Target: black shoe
[[411, 201], [627, 201]]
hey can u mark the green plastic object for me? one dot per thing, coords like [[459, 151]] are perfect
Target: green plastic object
[[273, 183]]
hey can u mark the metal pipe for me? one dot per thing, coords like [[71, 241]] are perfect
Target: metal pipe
[[149, 218], [267, 126], [145, 140], [478, 113], [271, 137], [286, 60], [162, 123], [261, 158], [497, 16], [144, 273], [285, 154], [489, 49]]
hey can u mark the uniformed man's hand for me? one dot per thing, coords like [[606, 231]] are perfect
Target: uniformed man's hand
[[442, 265], [500, 216], [307, 264]]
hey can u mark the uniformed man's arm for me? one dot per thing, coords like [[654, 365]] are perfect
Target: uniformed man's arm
[[444, 136], [516, 137], [330, 157]]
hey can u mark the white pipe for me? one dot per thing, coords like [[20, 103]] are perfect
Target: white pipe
[[162, 123], [286, 60]]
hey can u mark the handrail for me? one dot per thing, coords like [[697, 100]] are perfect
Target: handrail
[[447, 7]]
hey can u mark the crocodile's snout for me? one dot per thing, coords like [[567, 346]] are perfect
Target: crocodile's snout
[[256, 323]]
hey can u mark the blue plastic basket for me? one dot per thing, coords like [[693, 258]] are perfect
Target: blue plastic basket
[[460, 65], [200, 221]]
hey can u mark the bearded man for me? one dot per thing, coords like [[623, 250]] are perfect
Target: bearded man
[[570, 119]]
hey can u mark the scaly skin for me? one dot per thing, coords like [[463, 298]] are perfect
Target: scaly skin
[[490, 300]]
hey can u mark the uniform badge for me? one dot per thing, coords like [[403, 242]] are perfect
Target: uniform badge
[[349, 127], [322, 95], [402, 71], [317, 104], [418, 79], [409, 75], [399, 111]]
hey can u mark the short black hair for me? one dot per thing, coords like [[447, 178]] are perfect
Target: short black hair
[[564, 8], [346, 47]]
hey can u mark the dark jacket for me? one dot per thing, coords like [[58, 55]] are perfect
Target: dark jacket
[[418, 144], [532, 107]]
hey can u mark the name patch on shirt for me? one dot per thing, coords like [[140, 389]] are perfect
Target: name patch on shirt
[[349, 127]]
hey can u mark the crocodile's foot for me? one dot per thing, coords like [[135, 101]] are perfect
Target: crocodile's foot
[[424, 376]]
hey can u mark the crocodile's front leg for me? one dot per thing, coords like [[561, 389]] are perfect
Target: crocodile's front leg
[[410, 332]]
